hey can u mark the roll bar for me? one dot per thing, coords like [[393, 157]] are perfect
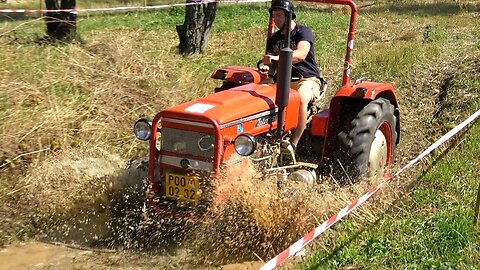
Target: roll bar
[[350, 38]]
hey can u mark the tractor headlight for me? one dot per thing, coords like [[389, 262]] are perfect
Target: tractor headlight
[[245, 144], [142, 129]]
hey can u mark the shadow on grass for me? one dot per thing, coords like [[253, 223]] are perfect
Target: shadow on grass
[[455, 142], [13, 17]]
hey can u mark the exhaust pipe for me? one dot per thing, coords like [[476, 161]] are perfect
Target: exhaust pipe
[[284, 76]]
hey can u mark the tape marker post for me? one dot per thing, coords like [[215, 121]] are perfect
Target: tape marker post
[[300, 244], [77, 11]]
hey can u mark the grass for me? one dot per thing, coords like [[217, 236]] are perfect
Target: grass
[[67, 97], [431, 227]]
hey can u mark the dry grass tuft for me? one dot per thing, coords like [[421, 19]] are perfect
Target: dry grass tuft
[[70, 180]]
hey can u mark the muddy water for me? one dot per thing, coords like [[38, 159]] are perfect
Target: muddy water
[[38, 255], [34, 255]]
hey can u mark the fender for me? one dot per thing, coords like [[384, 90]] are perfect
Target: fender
[[363, 90], [368, 90]]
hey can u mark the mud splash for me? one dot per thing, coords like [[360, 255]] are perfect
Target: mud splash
[[262, 220], [68, 197], [95, 199]]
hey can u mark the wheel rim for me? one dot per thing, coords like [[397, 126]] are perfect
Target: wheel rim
[[379, 159]]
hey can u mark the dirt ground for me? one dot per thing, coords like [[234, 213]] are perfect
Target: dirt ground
[[60, 256]]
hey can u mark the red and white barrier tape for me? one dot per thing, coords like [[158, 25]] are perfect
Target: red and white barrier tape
[[300, 244], [19, 10], [76, 11]]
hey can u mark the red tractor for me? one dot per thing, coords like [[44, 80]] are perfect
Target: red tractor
[[247, 121]]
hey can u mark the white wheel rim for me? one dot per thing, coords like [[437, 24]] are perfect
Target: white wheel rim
[[377, 159]]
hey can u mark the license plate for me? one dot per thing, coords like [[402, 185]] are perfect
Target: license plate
[[181, 187]]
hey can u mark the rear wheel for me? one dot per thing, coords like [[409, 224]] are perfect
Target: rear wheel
[[366, 142]]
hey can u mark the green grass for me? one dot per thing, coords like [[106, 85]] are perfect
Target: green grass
[[386, 67], [136, 20], [434, 230], [36, 59]]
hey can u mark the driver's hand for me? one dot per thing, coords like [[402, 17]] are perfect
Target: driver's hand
[[263, 68], [269, 59]]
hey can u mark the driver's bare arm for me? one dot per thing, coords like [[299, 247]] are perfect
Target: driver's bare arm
[[299, 55]]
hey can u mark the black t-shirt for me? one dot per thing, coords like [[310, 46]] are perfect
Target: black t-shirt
[[307, 68]]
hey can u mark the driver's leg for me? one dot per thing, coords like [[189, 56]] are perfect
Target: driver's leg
[[308, 88]]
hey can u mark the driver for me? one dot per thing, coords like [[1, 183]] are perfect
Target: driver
[[305, 74]]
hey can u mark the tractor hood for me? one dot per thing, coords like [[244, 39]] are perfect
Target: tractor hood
[[230, 105]]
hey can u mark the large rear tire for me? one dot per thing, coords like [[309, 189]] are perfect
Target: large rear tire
[[366, 142]]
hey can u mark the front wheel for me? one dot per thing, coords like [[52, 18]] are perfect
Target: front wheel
[[366, 142]]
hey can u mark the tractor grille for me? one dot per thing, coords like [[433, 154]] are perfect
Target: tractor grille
[[188, 142]]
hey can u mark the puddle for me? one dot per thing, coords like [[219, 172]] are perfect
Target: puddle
[[34, 255]]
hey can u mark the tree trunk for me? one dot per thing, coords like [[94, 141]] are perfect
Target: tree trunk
[[61, 26], [193, 33]]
